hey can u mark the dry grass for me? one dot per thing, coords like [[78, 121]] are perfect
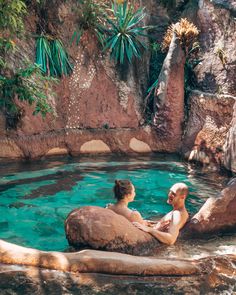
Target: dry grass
[[186, 31]]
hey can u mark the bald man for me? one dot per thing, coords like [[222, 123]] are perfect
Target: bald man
[[167, 229]]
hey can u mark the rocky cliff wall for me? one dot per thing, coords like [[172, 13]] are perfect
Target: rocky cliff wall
[[99, 108], [210, 116]]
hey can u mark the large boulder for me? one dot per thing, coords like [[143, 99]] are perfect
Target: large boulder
[[216, 215], [100, 228]]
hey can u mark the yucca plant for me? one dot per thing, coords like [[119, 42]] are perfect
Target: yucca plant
[[52, 58], [60, 58], [44, 56], [125, 32]]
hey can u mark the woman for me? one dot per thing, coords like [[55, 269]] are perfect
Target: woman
[[124, 193]]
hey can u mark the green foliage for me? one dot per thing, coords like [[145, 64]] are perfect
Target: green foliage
[[6, 46], [156, 61], [169, 4], [27, 84], [117, 29], [91, 16], [11, 15], [124, 33], [60, 58], [52, 58], [191, 62]]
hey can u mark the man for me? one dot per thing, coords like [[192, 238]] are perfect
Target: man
[[167, 229]]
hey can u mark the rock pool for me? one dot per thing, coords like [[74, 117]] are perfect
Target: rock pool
[[37, 196]]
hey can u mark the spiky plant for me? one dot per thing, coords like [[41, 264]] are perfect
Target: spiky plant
[[125, 32], [91, 16], [60, 58], [52, 58], [185, 31], [44, 55]]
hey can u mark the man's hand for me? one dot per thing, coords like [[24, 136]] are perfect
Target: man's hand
[[152, 222], [141, 226]]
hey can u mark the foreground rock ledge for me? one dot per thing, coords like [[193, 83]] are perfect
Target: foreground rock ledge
[[92, 261]]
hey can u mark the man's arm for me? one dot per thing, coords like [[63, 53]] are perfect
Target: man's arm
[[168, 238]]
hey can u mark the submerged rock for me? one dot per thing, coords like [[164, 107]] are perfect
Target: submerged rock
[[100, 228]]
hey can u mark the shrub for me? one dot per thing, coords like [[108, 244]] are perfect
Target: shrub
[[11, 16], [27, 84]]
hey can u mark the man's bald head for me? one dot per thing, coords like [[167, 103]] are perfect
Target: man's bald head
[[180, 188], [177, 194]]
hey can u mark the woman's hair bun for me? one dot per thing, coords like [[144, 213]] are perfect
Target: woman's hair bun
[[122, 188]]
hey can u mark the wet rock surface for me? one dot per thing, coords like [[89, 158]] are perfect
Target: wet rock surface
[[100, 228], [22, 280]]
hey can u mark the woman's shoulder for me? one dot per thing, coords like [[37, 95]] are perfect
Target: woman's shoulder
[[135, 215]]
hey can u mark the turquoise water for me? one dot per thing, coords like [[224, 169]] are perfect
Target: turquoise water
[[37, 196]]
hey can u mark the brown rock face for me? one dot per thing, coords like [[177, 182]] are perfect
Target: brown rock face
[[217, 39], [98, 96], [100, 228], [216, 215], [210, 118], [169, 95]]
